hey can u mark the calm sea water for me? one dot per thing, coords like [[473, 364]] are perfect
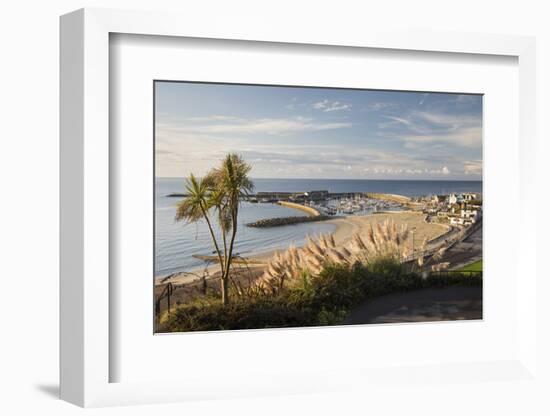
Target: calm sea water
[[176, 243]]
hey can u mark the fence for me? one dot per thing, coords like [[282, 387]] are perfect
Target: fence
[[455, 273], [165, 294], [458, 237]]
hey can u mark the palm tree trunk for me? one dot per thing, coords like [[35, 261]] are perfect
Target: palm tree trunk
[[224, 279], [225, 275], [224, 238], [229, 257], [225, 288], [205, 215]]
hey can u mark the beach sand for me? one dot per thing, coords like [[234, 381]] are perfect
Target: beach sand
[[416, 221], [346, 227]]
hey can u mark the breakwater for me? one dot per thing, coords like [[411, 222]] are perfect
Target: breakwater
[[314, 215], [310, 210], [277, 222], [389, 197]]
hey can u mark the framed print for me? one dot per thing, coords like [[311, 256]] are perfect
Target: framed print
[[284, 212], [281, 206]]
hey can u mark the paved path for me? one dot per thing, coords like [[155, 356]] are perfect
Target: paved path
[[424, 305], [465, 252]]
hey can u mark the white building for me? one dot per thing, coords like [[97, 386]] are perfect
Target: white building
[[467, 217], [469, 214], [457, 221], [461, 221]]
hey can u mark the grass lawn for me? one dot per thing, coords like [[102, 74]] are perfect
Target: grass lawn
[[474, 267]]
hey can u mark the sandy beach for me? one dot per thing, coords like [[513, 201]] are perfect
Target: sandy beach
[[346, 227]]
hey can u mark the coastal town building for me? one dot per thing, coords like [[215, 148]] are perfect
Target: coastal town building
[[458, 210], [462, 197], [458, 221], [470, 214], [469, 196]]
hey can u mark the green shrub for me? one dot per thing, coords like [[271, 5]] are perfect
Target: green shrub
[[387, 266], [240, 314], [324, 300]]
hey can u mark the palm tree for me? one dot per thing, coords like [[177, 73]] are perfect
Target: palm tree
[[222, 189], [196, 206], [230, 184]]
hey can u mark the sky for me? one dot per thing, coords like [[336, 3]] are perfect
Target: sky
[[296, 132]]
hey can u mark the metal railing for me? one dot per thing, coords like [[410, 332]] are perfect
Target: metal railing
[[165, 294], [451, 241], [462, 273]]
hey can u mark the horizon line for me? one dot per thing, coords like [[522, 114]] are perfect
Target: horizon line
[[344, 179]]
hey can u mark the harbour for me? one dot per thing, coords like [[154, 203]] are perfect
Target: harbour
[[177, 246]]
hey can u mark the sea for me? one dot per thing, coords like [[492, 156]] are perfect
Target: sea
[[177, 242]]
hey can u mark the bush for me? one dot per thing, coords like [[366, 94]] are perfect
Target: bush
[[240, 314], [387, 266], [324, 300]]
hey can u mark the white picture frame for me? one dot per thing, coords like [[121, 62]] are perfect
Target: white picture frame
[[86, 356]]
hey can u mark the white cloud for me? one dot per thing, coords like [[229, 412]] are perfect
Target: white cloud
[[416, 144], [444, 171], [463, 137], [328, 106], [394, 121], [449, 121], [430, 127], [271, 126], [473, 167], [178, 155], [379, 106], [212, 118], [392, 171]]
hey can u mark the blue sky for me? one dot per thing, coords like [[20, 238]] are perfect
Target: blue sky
[[287, 132]]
